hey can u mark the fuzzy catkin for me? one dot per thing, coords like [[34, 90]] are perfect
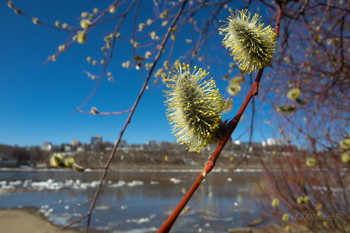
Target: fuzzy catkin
[[250, 43], [194, 108]]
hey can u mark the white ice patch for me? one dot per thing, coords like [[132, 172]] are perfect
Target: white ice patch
[[134, 183], [51, 184], [175, 180], [138, 221]]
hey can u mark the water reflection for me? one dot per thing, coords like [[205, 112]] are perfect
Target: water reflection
[[133, 201]]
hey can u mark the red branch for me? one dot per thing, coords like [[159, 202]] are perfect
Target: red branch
[[166, 227]]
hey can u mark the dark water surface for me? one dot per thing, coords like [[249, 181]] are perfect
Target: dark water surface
[[136, 201]]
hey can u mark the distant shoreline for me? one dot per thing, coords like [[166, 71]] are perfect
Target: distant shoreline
[[248, 170]]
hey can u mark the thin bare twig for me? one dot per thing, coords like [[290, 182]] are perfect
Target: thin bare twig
[[128, 120], [104, 113]]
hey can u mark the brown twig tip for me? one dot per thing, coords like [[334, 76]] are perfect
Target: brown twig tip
[[278, 20]]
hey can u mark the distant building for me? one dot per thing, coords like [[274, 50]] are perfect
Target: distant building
[[96, 139], [66, 147], [5, 161], [95, 142], [47, 146], [274, 142], [151, 145], [80, 149], [75, 143]]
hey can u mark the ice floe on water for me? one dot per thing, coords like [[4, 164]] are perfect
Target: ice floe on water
[[141, 220], [138, 230], [51, 184], [134, 183], [138, 221], [103, 207], [175, 180]]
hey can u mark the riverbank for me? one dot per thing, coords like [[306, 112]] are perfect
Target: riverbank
[[29, 219]]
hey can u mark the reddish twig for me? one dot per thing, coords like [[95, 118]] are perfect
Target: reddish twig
[[104, 113], [166, 227]]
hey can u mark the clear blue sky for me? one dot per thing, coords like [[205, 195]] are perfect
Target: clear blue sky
[[38, 100]]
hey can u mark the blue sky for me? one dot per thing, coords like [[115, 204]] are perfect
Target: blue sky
[[38, 99]]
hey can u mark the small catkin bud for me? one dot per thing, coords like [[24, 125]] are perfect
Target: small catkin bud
[[62, 48], [141, 26], [53, 58], [126, 64], [310, 162], [234, 86], [81, 37], [112, 9], [10, 4], [164, 23], [85, 23], [345, 158], [345, 144], [285, 217], [275, 202], [35, 20], [84, 14], [293, 94], [153, 35]]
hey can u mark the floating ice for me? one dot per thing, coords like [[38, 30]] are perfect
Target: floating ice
[[175, 180], [119, 184], [102, 207], [134, 183], [51, 184], [138, 221], [140, 230]]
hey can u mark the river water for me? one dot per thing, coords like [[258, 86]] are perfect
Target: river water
[[136, 202]]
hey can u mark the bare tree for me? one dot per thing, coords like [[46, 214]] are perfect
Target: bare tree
[[307, 84]]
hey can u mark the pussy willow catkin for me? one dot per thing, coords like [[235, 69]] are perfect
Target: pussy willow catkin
[[250, 43], [194, 107]]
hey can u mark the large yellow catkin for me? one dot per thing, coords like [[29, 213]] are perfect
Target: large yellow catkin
[[194, 107], [250, 43]]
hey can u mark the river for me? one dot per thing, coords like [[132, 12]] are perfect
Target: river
[[136, 202]]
